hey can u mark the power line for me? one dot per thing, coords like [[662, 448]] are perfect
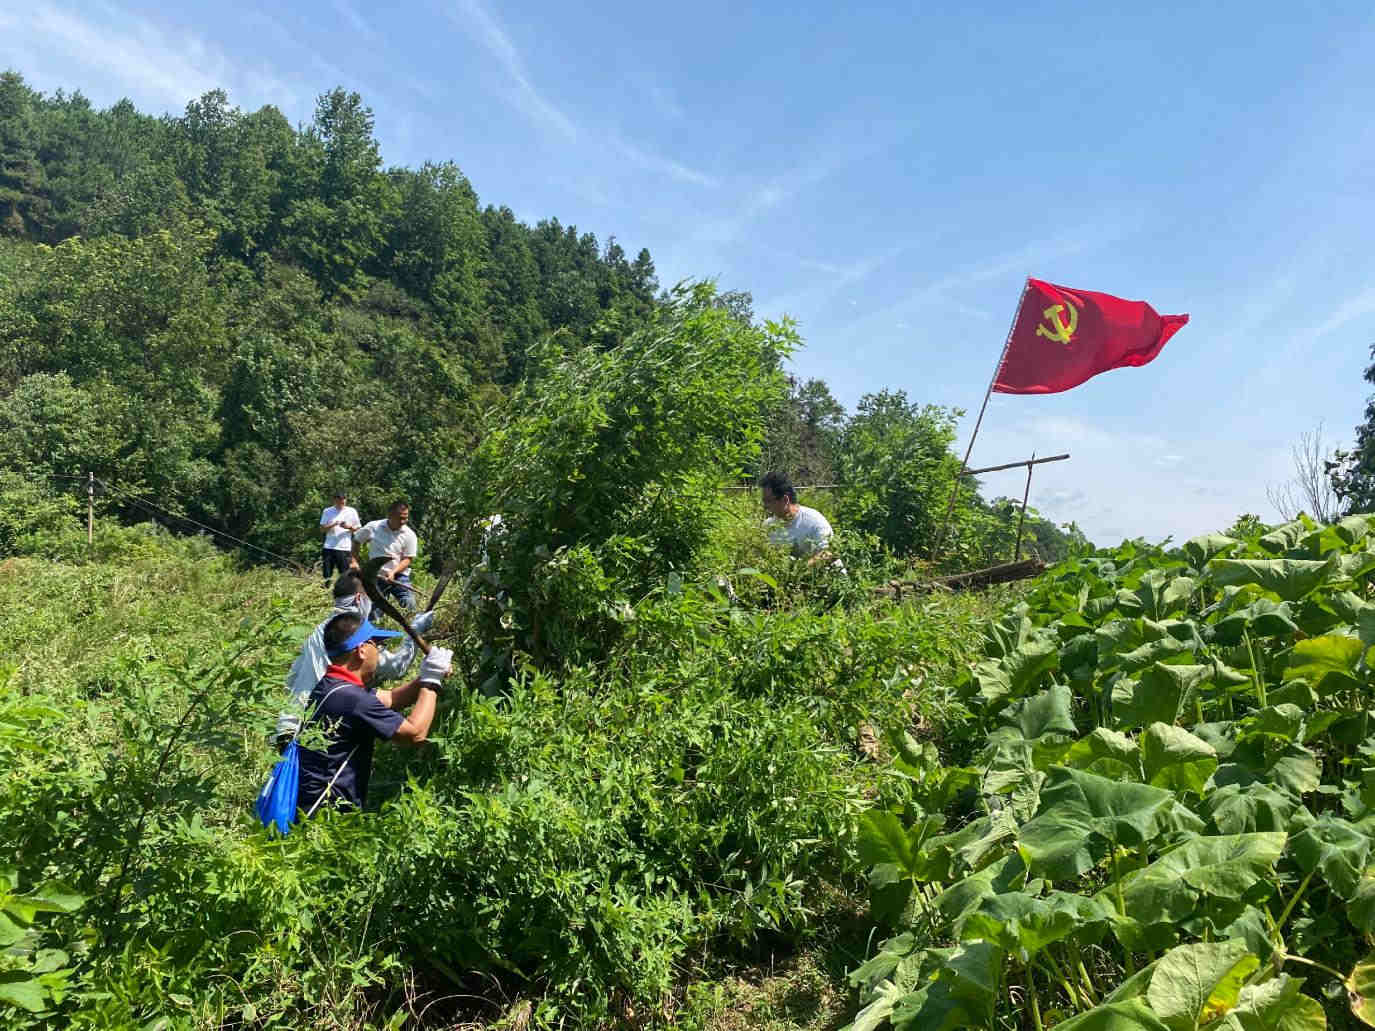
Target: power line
[[148, 506]]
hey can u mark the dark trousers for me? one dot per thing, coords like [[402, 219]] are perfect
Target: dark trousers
[[334, 560]]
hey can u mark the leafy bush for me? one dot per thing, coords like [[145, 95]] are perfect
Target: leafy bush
[[589, 840], [1172, 791], [604, 468]]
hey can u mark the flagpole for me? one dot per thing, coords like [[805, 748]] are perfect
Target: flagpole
[[964, 463]]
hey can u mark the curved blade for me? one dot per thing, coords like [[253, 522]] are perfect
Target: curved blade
[[448, 574], [369, 576]]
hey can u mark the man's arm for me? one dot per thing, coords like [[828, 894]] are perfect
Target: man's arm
[[360, 536], [415, 728], [423, 691]]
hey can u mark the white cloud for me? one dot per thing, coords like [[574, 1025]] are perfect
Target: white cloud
[[483, 26], [1354, 307], [1120, 483], [664, 166], [351, 15], [136, 57], [526, 97]]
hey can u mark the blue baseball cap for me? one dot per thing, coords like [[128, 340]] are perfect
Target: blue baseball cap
[[366, 632]]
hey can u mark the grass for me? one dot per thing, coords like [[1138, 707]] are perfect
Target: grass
[[758, 707]]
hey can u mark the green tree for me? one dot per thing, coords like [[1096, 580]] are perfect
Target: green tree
[[334, 225], [1353, 472], [605, 466], [897, 467], [24, 205]]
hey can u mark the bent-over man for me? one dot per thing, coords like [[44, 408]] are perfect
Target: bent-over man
[[310, 664], [803, 530], [354, 717]]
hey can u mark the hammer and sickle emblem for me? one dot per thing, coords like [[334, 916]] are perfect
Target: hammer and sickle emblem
[[1058, 330]]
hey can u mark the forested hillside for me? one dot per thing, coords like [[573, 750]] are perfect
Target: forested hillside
[[232, 315]]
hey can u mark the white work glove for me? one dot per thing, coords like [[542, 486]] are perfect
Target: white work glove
[[437, 665]]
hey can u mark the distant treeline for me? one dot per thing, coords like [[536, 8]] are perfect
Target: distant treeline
[[233, 315]]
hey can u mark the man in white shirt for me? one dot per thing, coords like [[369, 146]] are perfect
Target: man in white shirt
[[337, 523], [393, 538], [803, 530]]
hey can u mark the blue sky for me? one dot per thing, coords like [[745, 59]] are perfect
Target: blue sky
[[888, 175]]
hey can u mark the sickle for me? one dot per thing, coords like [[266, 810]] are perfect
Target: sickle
[[368, 574]]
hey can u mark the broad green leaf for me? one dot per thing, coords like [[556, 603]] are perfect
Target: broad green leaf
[[1218, 867], [1335, 848], [1008, 632], [1079, 657], [54, 897], [882, 965], [1262, 618], [1129, 1015], [961, 995], [1173, 758], [883, 840], [1175, 597], [1354, 566], [1293, 769], [1328, 662], [1235, 809], [1023, 924], [1354, 528], [1360, 990], [1158, 695], [1283, 538], [1082, 815], [1104, 744], [963, 897], [883, 997], [1275, 1005], [1031, 659], [1289, 578], [1047, 713], [1282, 722], [1361, 911], [936, 1007], [19, 988], [1197, 983], [11, 932], [1201, 549]]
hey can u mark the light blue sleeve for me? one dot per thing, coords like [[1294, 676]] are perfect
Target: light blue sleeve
[[308, 668], [393, 664]]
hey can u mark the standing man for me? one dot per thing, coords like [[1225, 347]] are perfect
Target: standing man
[[354, 717], [803, 530], [393, 538], [337, 523]]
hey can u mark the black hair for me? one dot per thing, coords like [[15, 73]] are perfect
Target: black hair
[[347, 585], [339, 629], [398, 503], [779, 485]]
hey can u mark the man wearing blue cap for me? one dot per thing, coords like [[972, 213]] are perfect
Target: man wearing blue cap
[[310, 664], [353, 717]]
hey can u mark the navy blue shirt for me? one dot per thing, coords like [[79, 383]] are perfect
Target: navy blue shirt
[[352, 719]]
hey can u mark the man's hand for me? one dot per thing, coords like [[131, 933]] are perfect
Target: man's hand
[[437, 665]]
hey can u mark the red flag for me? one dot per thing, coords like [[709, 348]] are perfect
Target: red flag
[[1061, 337]]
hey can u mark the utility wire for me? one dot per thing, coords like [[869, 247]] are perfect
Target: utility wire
[[148, 506]]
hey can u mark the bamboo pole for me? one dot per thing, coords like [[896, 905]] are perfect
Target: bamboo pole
[[1021, 519], [964, 463], [90, 509]]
